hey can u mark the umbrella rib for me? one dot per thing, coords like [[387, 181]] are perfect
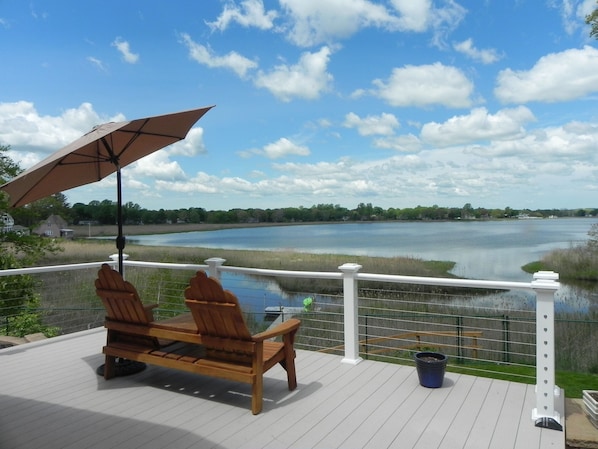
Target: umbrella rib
[[170, 136], [104, 159]]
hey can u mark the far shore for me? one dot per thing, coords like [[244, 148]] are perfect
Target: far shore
[[82, 231]]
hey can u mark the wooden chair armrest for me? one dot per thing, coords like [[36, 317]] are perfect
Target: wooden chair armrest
[[149, 311], [283, 328]]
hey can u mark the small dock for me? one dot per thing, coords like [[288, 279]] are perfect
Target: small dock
[[281, 314]]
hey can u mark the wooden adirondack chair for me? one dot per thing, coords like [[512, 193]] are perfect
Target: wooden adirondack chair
[[130, 323], [231, 351]]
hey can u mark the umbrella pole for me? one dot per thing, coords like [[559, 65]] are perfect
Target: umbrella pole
[[120, 239], [123, 367]]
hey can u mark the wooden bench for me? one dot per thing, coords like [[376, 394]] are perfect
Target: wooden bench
[[211, 340], [418, 344]]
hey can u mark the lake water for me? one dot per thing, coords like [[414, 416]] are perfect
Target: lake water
[[493, 250]]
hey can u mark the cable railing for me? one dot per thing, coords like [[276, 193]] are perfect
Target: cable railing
[[355, 315]]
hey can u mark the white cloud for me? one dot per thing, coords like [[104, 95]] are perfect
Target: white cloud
[[381, 125], [156, 165], [574, 142], [425, 85], [414, 16], [478, 155], [324, 123], [585, 8], [313, 22], [323, 180], [192, 145], [486, 171], [283, 147], [307, 79], [204, 55], [477, 125], [202, 183], [97, 62], [37, 15], [407, 143], [250, 13], [573, 13], [564, 76], [487, 56], [125, 50], [444, 20], [22, 127]]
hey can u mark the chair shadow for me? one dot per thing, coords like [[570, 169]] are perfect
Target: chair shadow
[[211, 389]]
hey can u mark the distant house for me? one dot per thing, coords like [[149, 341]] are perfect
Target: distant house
[[6, 222], [53, 226]]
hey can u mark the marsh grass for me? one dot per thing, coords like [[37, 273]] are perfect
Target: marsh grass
[[577, 263], [78, 251]]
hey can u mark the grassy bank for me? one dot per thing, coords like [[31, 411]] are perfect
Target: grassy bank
[[104, 230], [83, 250], [578, 263]]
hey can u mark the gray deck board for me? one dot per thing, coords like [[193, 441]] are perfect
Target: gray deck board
[[51, 397]]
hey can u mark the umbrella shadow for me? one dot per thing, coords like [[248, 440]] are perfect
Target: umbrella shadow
[[55, 426]]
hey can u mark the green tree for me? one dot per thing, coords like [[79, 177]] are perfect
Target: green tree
[[18, 300], [592, 20], [32, 214]]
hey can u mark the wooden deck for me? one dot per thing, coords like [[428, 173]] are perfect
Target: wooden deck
[[51, 397]]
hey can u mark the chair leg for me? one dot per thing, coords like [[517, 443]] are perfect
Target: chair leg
[[257, 393], [291, 375], [109, 367], [289, 365]]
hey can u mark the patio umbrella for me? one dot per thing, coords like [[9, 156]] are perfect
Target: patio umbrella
[[102, 151]]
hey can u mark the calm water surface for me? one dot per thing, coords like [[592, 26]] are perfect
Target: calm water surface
[[493, 250]]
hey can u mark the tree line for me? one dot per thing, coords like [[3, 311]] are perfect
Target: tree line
[[105, 213]]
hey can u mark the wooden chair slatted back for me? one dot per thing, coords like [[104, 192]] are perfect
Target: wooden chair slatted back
[[216, 311], [120, 298]]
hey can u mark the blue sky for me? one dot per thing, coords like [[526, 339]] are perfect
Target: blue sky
[[397, 103]]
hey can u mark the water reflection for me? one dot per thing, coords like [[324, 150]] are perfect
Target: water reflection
[[572, 299], [258, 293]]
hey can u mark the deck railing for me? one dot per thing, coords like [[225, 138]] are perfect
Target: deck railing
[[355, 337]]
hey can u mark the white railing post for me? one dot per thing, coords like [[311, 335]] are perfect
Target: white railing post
[[351, 321], [114, 258], [214, 264], [545, 284]]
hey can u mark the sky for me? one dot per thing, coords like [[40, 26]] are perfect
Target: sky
[[396, 103]]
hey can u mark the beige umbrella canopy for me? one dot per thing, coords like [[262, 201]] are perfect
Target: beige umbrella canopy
[[102, 151]]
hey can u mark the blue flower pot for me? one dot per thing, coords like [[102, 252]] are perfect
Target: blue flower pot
[[430, 368]]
